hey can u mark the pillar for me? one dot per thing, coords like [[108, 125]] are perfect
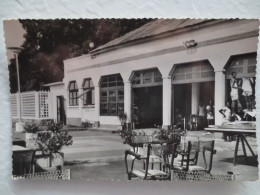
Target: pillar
[[167, 102], [127, 103], [80, 103], [220, 88], [195, 95], [97, 105]]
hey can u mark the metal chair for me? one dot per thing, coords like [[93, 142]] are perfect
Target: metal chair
[[207, 147], [146, 173], [194, 154]]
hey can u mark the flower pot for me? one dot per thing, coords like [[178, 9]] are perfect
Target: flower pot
[[47, 162], [31, 136]]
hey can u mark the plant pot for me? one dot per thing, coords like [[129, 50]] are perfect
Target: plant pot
[[32, 144], [47, 162], [31, 136]]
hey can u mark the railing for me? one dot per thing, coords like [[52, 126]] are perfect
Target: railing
[[53, 175], [34, 105], [177, 175]]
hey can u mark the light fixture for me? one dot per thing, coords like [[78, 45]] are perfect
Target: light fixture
[[190, 43]]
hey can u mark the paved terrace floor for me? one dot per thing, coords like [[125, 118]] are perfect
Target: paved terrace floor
[[99, 155]]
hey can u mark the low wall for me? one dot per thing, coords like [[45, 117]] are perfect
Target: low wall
[[74, 121]]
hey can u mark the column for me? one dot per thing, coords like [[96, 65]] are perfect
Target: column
[[127, 103], [167, 102], [220, 88], [97, 105], [195, 95], [80, 102]]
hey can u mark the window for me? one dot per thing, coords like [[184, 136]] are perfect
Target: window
[[73, 93], [150, 77], [194, 72], [88, 92], [111, 95], [244, 66]]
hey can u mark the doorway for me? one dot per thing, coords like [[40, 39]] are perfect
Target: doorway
[[147, 106], [187, 100], [61, 115], [182, 100]]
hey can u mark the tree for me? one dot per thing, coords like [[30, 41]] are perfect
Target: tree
[[49, 42]]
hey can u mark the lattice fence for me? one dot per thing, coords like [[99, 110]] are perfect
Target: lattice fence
[[44, 104], [14, 105], [34, 105], [29, 104]]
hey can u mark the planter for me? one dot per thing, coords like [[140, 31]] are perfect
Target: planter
[[31, 136], [48, 162], [19, 127], [32, 144]]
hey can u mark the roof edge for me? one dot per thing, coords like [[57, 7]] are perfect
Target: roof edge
[[162, 35]]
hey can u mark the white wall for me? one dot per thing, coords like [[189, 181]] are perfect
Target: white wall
[[217, 54], [57, 90]]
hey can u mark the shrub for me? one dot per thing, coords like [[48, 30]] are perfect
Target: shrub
[[52, 140], [31, 127]]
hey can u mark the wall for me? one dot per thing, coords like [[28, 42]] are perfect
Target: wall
[[151, 54], [56, 90]]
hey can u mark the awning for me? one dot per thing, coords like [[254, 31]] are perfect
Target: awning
[[81, 95]]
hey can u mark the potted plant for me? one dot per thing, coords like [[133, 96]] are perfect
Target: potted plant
[[43, 124], [31, 128], [122, 117], [50, 144]]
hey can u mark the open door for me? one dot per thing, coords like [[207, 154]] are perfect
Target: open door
[[61, 116]]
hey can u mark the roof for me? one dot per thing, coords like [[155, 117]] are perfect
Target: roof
[[152, 29], [53, 84]]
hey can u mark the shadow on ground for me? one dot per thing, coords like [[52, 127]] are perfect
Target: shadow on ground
[[240, 160]]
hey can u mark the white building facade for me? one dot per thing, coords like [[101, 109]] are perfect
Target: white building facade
[[152, 71]]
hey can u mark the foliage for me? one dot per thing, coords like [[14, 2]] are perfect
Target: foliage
[[45, 122], [54, 127], [172, 136], [49, 42], [31, 127], [86, 124], [52, 140], [126, 135], [122, 116]]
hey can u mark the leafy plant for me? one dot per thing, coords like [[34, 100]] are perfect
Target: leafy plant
[[52, 140], [126, 135], [172, 136], [86, 124], [31, 127], [122, 116]]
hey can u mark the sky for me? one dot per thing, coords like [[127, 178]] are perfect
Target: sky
[[13, 32]]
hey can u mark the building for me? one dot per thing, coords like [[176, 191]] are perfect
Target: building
[[151, 72]]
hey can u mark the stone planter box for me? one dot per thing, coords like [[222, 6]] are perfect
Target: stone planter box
[[47, 162]]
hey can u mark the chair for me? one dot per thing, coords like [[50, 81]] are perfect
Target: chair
[[194, 153], [146, 173], [208, 151], [193, 122]]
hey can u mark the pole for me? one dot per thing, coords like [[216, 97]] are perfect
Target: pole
[[18, 83]]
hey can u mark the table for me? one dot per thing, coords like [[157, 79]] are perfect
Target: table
[[240, 137], [22, 158]]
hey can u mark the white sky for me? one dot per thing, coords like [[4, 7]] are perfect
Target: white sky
[[13, 35]]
